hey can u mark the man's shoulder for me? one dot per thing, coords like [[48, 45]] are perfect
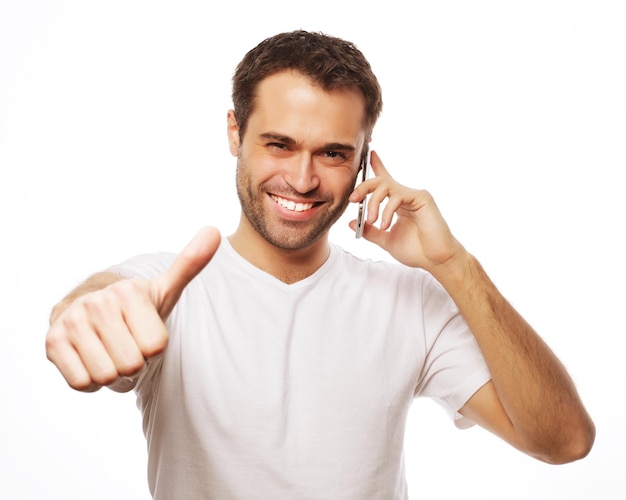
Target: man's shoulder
[[146, 265], [376, 269]]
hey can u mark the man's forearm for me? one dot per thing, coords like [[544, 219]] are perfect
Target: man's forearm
[[534, 388]]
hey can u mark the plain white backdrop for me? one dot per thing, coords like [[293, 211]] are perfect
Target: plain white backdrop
[[112, 143]]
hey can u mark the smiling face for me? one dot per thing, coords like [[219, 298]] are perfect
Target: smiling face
[[298, 160]]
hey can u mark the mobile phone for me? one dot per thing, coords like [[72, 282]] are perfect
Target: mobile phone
[[360, 219]]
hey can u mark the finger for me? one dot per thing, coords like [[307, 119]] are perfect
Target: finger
[[148, 330], [381, 193], [377, 197], [367, 186], [69, 363], [104, 313], [93, 326], [120, 342], [377, 165], [194, 257], [78, 349], [95, 357], [392, 206], [374, 235]]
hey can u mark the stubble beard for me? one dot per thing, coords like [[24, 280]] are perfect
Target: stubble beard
[[287, 235]]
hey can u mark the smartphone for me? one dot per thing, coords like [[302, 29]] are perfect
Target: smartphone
[[361, 216]]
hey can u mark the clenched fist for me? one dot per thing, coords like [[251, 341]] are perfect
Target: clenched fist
[[105, 330]]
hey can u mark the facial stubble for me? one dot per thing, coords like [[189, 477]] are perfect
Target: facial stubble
[[286, 234]]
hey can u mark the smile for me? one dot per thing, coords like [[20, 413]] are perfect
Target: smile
[[292, 205]]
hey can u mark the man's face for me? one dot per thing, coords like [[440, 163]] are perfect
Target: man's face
[[298, 161]]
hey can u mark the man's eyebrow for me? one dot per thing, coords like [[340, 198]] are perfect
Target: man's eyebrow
[[336, 146], [274, 136], [333, 146]]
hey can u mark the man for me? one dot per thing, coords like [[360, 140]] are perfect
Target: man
[[272, 364]]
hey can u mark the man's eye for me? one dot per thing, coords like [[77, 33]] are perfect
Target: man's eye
[[277, 145], [335, 155]]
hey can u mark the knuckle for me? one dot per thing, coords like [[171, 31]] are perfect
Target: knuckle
[[131, 365], [154, 345], [120, 289], [425, 193], [105, 376], [126, 289], [71, 318], [102, 302], [81, 383], [71, 326], [53, 345], [97, 302]]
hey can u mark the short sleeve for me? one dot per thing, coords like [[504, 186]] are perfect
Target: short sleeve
[[144, 266], [454, 367]]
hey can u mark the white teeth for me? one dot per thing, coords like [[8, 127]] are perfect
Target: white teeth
[[292, 205]]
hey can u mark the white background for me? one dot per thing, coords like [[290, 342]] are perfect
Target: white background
[[112, 143]]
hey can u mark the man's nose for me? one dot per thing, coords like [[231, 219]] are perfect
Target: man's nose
[[302, 174]]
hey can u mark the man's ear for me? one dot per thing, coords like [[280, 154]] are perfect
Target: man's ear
[[232, 129]]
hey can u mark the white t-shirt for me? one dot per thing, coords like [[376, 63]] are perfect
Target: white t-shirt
[[301, 391]]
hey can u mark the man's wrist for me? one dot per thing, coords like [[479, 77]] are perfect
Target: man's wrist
[[459, 272]]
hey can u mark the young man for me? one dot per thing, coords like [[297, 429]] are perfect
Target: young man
[[272, 364]]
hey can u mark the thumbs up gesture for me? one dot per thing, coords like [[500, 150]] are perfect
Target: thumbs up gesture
[[103, 332]]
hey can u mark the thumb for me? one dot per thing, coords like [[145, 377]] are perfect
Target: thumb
[[169, 286]]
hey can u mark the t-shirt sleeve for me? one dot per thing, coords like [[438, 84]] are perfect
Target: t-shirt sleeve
[[144, 266], [454, 367]]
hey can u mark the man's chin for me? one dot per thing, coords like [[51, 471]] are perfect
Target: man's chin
[[292, 235], [293, 241]]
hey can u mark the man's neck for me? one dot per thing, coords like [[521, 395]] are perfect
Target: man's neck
[[289, 266]]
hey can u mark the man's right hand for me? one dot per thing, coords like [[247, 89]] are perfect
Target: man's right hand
[[101, 336]]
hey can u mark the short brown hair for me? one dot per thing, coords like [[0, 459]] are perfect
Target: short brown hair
[[328, 61]]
